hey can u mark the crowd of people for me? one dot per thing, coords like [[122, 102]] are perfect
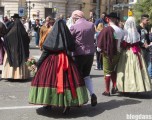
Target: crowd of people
[[123, 51]]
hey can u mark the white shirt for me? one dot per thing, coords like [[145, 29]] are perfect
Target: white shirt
[[118, 34], [26, 26]]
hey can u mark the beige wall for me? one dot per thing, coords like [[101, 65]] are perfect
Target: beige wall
[[10, 7], [87, 6], [22, 3], [65, 7], [73, 5]]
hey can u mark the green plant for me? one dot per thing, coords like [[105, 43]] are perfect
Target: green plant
[[143, 7]]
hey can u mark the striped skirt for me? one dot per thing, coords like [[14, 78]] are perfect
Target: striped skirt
[[44, 89]]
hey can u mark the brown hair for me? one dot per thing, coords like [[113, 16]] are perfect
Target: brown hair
[[37, 20]]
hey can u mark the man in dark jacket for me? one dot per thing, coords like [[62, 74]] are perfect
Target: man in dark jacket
[[144, 40]]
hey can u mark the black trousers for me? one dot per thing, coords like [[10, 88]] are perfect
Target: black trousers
[[84, 63]]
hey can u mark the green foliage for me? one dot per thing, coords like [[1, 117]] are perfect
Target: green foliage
[[143, 7]]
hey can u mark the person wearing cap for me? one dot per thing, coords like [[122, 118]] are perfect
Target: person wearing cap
[[83, 33], [109, 44]]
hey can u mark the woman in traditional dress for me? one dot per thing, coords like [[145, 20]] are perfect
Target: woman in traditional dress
[[57, 81], [132, 75], [3, 31], [16, 43]]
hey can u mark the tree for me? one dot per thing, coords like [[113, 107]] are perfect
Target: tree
[[143, 7]]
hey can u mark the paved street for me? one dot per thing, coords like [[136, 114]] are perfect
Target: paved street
[[14, 102]]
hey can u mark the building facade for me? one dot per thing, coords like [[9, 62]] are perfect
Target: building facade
[[39, 8], [43, 8], [119, 6]]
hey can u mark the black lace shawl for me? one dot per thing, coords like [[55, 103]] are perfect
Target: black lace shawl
[[16, 43]]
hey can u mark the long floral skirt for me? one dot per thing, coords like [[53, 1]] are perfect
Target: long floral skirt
[[132, 75], [19, 73], [44, 89]]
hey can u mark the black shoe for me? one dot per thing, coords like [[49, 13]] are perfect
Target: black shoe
[[93, 100], [47, 107], [66, 110], [106, 93], [114, 90]]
